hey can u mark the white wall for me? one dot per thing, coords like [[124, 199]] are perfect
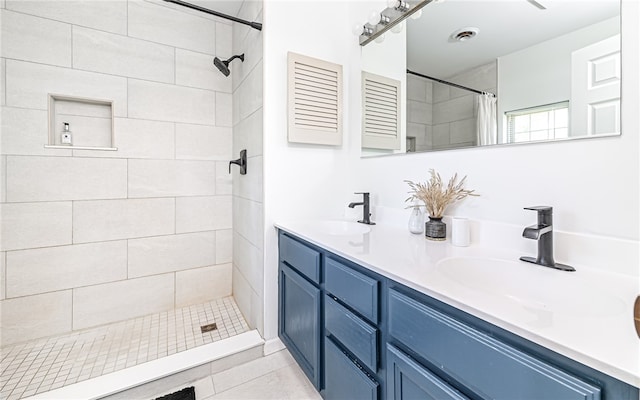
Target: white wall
[[305, 181], [91, 237], [593, 184]]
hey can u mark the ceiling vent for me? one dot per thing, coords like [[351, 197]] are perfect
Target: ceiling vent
[[464, 34]]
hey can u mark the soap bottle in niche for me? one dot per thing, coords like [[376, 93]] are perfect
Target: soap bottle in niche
[[416, 221], [65, 136]]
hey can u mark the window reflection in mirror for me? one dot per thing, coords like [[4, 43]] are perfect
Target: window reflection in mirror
[[555, 72]]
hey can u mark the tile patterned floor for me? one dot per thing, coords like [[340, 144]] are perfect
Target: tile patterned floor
[[41, 365], [273, 377]]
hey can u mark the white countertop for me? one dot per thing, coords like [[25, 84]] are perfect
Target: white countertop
[[585, 315]]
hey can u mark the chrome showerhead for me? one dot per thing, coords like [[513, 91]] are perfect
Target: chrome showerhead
[[223, 66]]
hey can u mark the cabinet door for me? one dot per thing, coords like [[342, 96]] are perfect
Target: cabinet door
[[477, 361], [344, 380], [408, 380], [299, 321]]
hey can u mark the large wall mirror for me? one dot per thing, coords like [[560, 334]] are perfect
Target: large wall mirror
[[509, 71]]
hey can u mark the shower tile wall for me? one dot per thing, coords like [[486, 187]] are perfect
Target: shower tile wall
[[248, 225], [90, 237], [439, 115]]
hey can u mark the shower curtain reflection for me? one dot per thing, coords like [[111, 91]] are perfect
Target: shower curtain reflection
[[487, 128]]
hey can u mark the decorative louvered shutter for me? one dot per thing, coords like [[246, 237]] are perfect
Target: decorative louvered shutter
[[380, 112], [315, 101]]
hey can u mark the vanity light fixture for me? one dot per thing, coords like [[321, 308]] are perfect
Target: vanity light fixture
[[398, 5], [378, 18], [398, 28], [417, 14], [396, 12]]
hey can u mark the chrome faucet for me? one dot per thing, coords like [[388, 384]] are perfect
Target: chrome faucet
[[543, 233], [366, 209]]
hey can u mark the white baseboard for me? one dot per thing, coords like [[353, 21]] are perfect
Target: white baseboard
[[273, 345]]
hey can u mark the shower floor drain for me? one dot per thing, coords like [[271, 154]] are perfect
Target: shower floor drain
[[208, 328]]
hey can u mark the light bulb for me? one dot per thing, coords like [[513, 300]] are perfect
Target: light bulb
[[358, 29], [416, 14], [380, 39], [398, 28], [374, 18]]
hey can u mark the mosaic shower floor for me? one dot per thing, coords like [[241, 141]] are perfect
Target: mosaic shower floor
[[45, 364]]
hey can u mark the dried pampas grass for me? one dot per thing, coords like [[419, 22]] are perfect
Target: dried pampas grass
[[436, 196]]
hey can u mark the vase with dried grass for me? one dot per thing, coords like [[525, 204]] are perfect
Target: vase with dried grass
[[437, 197]]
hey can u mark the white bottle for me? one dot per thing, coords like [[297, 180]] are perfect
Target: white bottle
[[416, 221], [65, 136], [460, 232]]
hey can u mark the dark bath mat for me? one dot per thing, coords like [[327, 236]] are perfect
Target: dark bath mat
[[184, 394]]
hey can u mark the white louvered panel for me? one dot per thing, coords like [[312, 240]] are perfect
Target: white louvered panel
[[381, 112], [315, 101]]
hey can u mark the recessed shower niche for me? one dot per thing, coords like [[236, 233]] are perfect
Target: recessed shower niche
[[80, 123]]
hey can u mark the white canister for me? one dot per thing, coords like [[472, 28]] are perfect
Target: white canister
[[460, 232]]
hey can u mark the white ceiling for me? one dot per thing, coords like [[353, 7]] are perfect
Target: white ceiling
[[505, 26]]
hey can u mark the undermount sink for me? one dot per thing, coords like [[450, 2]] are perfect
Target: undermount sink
[[342, 228], [532, 287]]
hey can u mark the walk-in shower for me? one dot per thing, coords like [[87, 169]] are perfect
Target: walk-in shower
[[124, 251]]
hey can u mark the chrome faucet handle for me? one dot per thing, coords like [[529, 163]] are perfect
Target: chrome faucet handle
[[545, 214], [543, 234], [539, 208]]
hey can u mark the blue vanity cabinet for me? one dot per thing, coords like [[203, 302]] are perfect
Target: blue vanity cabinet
[[300, 305], [477, 363], [352, 342], [360, 335]]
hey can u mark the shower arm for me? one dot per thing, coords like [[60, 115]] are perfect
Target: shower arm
[[254, 25]]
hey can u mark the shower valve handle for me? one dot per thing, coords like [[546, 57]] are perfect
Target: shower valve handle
[[241, 162]]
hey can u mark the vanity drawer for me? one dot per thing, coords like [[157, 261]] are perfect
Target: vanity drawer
[[343, 379], [480, 363], [357, 290], [353, 332], [301, 257]]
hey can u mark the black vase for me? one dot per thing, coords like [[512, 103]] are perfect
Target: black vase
[[435, 229]]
